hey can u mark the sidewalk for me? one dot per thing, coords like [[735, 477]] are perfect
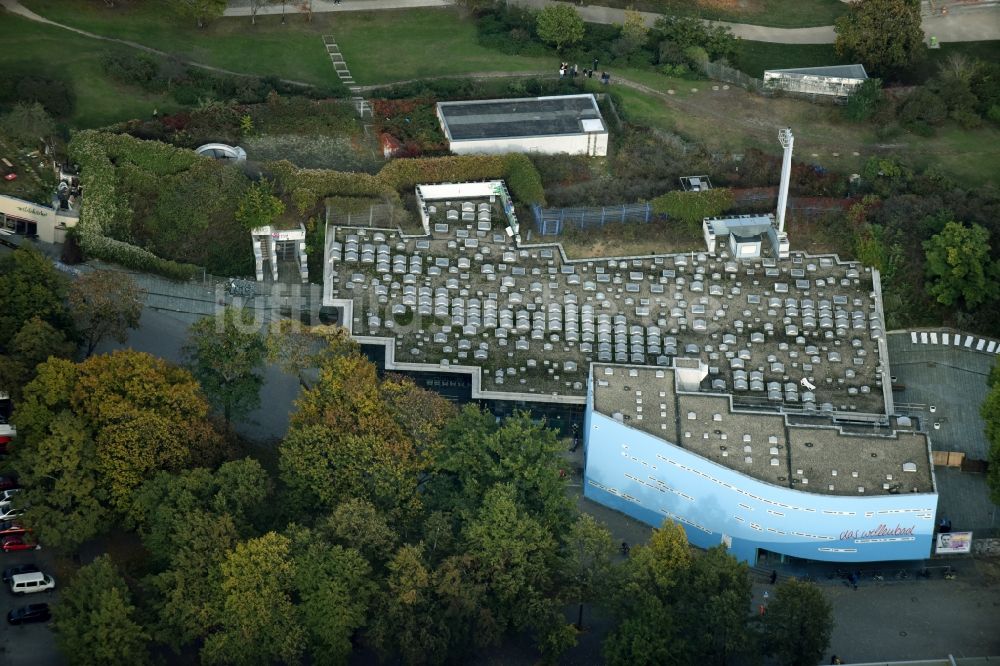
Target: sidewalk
[[328, 6]]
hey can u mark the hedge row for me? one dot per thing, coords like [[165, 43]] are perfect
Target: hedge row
[[105, 207], [522, 178], [693, 207]]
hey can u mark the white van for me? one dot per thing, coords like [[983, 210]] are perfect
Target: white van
[[29, 583]]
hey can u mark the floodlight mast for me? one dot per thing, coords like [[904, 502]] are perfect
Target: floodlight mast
[[787, 140]]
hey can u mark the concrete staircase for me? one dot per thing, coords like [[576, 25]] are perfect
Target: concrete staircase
[[344, 74]]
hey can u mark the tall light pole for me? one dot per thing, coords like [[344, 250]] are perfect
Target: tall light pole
[[787, 140]]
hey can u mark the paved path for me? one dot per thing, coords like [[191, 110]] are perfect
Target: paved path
[[968, 25]]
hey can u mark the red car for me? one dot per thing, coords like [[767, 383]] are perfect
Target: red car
[[10, 176], [13, 543], [11, 528]]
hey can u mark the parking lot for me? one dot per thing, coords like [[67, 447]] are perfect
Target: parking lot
[[29, 644]]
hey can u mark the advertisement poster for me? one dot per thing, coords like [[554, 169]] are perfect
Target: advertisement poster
[[954, 542]]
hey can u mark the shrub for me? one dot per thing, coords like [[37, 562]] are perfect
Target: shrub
[[967, 119], [693, 207], [923, 105], [865, 101]]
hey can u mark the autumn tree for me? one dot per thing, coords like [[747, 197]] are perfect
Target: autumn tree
[[256, 621], [798, 624], [959, 265], [105, 304], [259, 206], [884, 35], [94, 431], [35, 342], [95, 621], [345, 442], [559, 25], [226, 354], [357, 524]]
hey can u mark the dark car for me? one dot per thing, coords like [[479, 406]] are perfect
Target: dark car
[[11, 528], [8, 482], [10, 572], [29, 613]]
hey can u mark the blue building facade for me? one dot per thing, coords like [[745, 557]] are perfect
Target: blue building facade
[[652, 480]]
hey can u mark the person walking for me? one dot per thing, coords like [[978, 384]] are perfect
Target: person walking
[[774, 577]]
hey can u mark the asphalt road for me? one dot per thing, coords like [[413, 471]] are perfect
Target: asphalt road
[[30, 644]]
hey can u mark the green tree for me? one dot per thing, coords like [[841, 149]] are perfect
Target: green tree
[[798, 624], [586, 562], [475, 455], [259, 207], [257, 622], [647, 629], [959, 265], [28, 123], [712, 609], [226, 354], [559, 25], [514, 556], [201, 11], [187, 593], [35, 342], [885, 35], [335, 590], [105, 304], [677, 34], [990, 411], [95, 621], [358, 524], [30, 286]]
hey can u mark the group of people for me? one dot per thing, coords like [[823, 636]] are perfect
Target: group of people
[[565, 69]]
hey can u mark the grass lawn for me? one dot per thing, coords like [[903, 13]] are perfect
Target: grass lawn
[[35, 48], [292, 51], [379, 47], [776, 13], [387, 46]]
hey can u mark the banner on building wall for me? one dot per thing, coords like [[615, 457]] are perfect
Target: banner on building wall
[[953, 542]]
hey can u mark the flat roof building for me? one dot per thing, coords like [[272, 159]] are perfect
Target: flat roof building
[[560, 124]]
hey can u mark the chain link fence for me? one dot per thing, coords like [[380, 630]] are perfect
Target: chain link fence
[[554, 221]]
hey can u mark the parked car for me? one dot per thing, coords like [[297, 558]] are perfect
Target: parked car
[[30, 613], [10, 572], [10, 544], [7, 511], [10, 176], [8, 482], [8, 494], [11, 527], [32, 583]]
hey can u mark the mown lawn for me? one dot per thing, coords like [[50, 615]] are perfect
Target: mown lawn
[[775, 13], [33, 48], [293, 51]]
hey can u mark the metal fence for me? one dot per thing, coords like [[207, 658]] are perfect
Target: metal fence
[[722, 72], [554, 221]]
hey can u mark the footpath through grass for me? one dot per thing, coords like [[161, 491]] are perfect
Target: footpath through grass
[[45, 51]]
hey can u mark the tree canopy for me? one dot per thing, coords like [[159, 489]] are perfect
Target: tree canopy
[[105, 304], [94, 431], [798, 624], [226, 354], [884, 35], [959, 265], [259, 207], [990, 411], [559, 25]]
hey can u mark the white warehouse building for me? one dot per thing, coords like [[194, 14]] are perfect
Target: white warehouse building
[[560, 124]]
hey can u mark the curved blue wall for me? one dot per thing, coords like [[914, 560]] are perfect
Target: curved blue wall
[[653, 480]]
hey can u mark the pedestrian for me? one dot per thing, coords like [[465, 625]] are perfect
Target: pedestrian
[[625, 548], [763, 609], [562, 71], [591, 74], [765, 597], [575, 70], [774, 577], [835, 660], [595, 63]]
